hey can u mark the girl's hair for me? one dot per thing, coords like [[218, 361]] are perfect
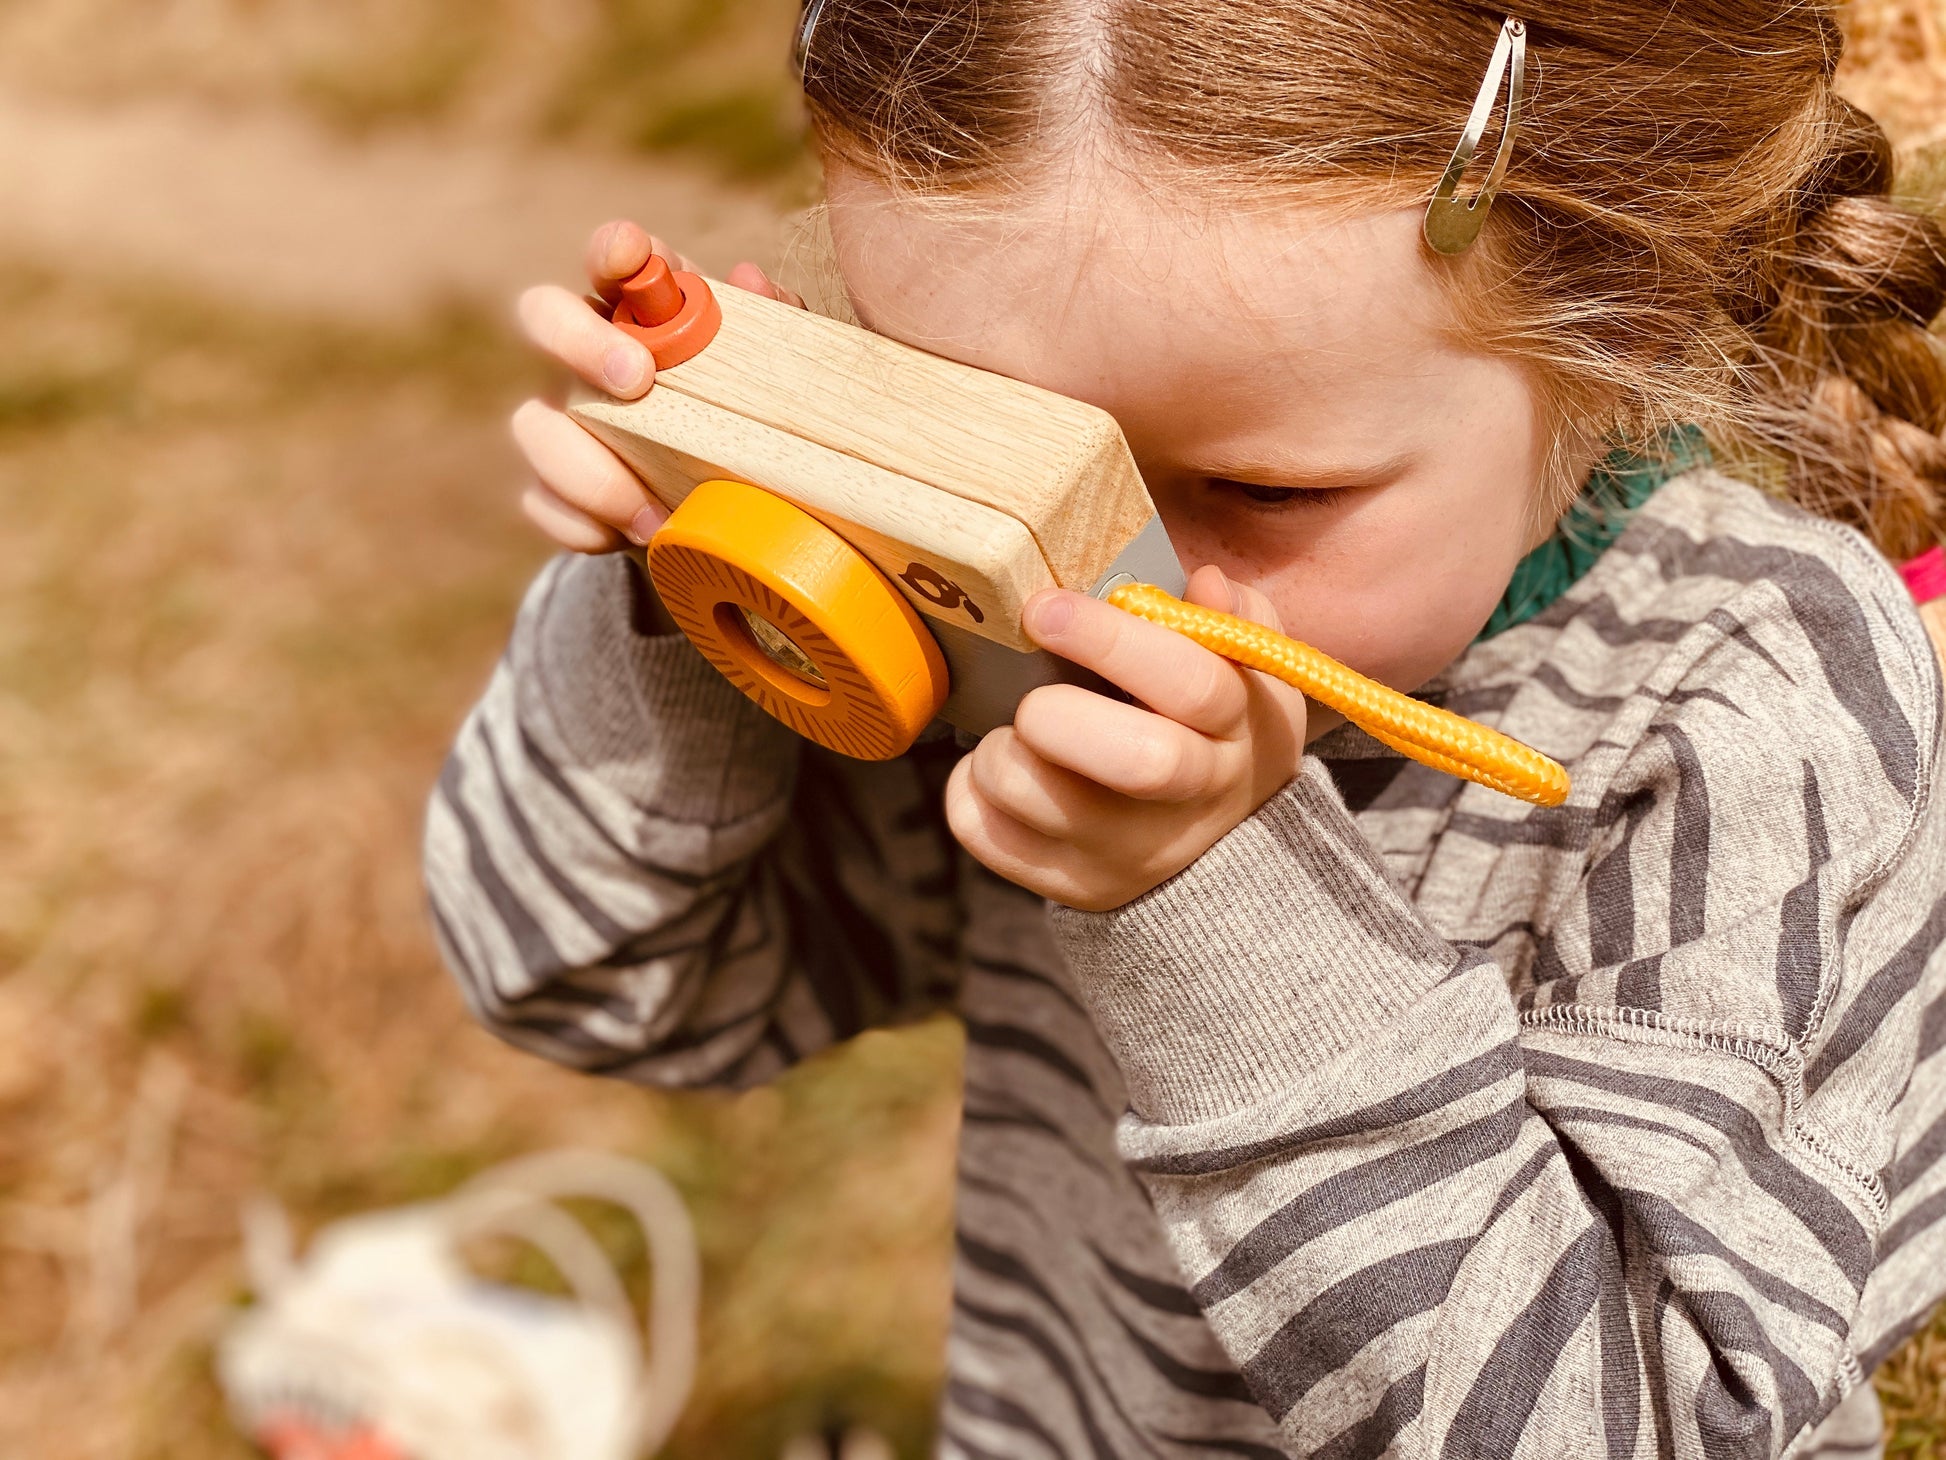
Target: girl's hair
[[1696, 227]]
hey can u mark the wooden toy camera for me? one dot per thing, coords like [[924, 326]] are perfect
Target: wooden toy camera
[[856, 527]]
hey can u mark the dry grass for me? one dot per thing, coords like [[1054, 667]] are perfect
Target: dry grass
[[1895, 66], [254, 574], [707, 77], [1910, 1385]]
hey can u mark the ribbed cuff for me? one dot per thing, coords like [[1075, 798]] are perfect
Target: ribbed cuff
[[643, 709], [1275, 951]]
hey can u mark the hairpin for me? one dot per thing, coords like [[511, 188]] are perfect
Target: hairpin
[[806, 24], [1452, 225]]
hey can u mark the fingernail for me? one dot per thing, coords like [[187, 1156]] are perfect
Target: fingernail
[[641, 527], [624, 366], [1052, 614]]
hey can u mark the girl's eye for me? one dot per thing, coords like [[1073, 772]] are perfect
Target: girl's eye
[[1266, 494], [1274, 496]]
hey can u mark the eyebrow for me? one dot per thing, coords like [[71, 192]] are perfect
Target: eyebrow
[[1270, 472]]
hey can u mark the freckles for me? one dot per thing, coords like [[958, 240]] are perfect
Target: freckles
[[1249, 552], [1240, 552]]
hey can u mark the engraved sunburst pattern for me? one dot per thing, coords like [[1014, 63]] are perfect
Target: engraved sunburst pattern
[[853, 719]]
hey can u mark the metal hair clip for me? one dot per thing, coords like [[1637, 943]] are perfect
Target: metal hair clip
[[1452, 225], [806, 25]]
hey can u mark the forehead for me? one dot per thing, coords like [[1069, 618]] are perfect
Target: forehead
[[1155, 303]]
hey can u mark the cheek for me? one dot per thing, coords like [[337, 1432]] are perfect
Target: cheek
[[1405, 625], [1396, 587]]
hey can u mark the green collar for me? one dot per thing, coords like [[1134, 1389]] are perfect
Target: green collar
[[1602, 512]]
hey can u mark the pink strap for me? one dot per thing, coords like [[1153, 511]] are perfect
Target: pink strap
[[1925, 575]]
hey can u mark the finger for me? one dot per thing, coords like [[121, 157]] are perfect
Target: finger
[[1017, 852], [616, 253], [749, 277], [1033, 791], [567, 525], [563, 326], [583, 473], [1124, 749], [1164, 670], [680, 261], [1210, 587]]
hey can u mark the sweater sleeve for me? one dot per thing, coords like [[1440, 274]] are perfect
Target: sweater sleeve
[[1629, 1211], [635, 871]]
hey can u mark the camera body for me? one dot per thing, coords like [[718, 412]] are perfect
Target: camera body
[[966, 493]]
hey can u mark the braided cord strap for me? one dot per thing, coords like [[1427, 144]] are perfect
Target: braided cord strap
[[1430, 735]]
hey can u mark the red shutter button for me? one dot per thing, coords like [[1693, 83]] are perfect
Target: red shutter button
[[674, 314]]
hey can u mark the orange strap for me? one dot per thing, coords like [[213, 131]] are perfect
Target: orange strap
[[1430, 735]]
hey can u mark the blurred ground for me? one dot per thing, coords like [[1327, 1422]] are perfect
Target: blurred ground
[[254, 479], [256, 491], [292, 217]]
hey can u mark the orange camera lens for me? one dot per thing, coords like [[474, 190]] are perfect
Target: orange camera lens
[[798, 619]]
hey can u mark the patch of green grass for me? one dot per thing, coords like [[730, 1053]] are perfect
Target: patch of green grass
[[1916, 1439], [160, 1010], [708, 79], [183, 1398], [74, 401], [241, 360], [420, 80], [749, 134], [1912, 1388], [265, 1054], [38, 400], [413, 1172], [1922, 179]]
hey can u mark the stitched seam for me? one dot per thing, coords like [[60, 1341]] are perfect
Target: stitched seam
[[1761, 1044], [1830, 975], [1850, 1374], [1826, 1149], [1767, 1048]]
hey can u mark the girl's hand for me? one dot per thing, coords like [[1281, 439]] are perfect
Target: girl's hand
[[584, 497], [1092, 802]]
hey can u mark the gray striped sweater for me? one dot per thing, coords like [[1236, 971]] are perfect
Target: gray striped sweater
[[1409, 1120]]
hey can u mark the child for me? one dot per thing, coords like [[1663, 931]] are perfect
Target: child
[[1318, 1103]]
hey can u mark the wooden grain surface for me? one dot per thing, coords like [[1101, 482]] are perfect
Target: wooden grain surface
[[953, 558], [1057, 465]]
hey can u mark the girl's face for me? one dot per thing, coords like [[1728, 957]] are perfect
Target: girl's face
[[1281, 376]]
